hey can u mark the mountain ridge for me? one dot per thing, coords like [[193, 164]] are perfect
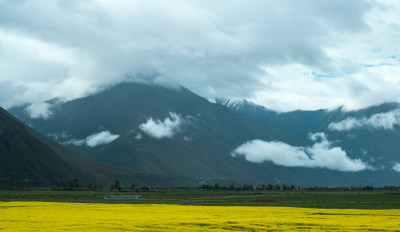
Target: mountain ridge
[[25, 156]]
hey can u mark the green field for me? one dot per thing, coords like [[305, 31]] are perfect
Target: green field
[[313, 199]]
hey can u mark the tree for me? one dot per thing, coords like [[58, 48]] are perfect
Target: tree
[[116, 186], [145, 189]]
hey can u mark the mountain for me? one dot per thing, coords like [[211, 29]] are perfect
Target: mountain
[[172, 131], [26, 156], [29, 159], [296, 123], [371, 134], [201, 149]]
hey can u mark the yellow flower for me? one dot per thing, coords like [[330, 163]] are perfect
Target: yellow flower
[[46, 216]]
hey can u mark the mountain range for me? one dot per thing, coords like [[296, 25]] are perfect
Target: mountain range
[[371, 134], [172, 132]]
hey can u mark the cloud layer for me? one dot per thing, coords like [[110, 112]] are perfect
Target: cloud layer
[[320, 155], [385, 121], [94, 140], [163, 129], [309, 50]]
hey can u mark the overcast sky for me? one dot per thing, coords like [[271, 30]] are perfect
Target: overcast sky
[[285, 55]]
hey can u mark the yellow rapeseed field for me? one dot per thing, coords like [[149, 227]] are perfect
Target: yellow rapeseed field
[[45, 216]]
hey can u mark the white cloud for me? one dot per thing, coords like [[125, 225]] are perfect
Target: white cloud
[[94, 140], [384, 121], [61, 135], [396, 167], [103, 137], [163, 129], [76, 142], [320, 155], [276, 54], [138, 136], [39, 110]]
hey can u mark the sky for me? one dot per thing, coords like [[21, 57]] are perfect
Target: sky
[[284, 55]]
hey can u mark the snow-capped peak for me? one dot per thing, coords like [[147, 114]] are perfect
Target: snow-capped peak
[[237, 105]]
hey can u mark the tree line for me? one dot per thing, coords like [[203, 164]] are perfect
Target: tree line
[[75, 184]]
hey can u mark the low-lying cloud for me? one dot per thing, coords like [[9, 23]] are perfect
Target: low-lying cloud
[[94, 140], [396, 167], [163, 129], [103, 137], [384, 121], [39, 110], [138, 136], [76, 142], [321, 155]]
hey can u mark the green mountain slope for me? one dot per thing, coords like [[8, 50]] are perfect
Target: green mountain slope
[[29, 159], [24, 156]]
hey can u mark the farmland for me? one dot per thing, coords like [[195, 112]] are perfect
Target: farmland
[[55, 216], [199, 210]]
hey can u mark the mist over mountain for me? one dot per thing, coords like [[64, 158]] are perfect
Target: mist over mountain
[[171, 131]]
